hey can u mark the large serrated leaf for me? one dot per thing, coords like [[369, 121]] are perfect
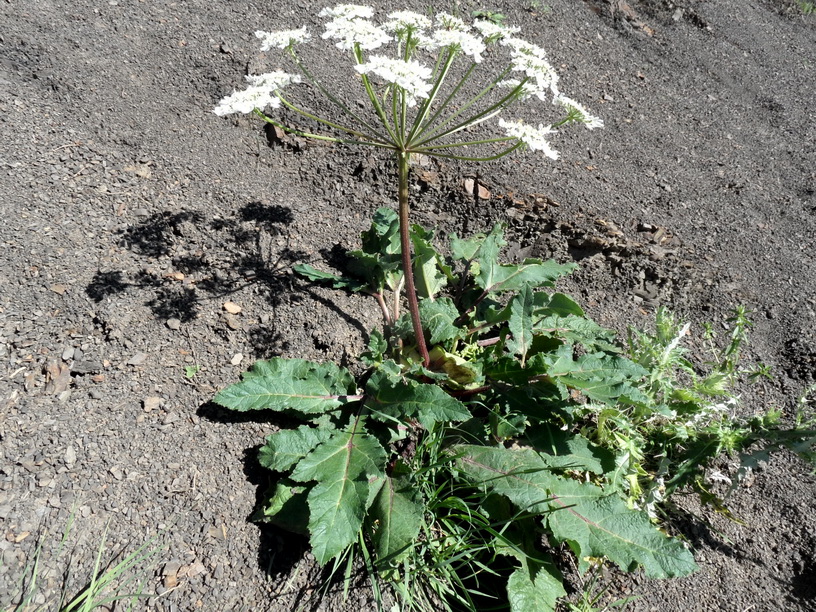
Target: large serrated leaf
[[601, 377], [396, 521], [594, 523], [289, 384], [401, 399], [285, 448], [348, 468], [438, 318], [497, 278]]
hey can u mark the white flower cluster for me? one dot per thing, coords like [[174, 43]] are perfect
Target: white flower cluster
[[352, 26], [533, 137], [577, 112], [283, 39], [352, 31], [260, 93], [410, 76]]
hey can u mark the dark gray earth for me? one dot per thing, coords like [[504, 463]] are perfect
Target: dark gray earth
[[132, 214]]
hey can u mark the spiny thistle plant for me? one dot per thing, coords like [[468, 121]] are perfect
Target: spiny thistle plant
[[494, 419]]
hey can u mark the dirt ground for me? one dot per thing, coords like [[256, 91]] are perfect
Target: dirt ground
[[132, 214]]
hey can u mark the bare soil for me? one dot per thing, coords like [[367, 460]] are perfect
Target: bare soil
[[132, 214]]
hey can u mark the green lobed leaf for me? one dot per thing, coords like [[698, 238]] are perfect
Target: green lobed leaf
[[403, 399], [438, 318], [337, 282], [577, 329], [569, 451], [289, 384], [348, 468], [396, 521], [592, 522], [521, 323], [288, 446], [285, 507], [538, 592], [556, 304]]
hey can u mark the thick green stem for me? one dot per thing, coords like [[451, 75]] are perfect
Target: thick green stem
[[407, 265]]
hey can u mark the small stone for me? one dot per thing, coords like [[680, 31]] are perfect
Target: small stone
[[68, 354], [150, 404], [137, 360], [174, 324], [232, 322], [237, 359], [232, 308], [70, 455], [59, 289], [117, 473], [170, 417]]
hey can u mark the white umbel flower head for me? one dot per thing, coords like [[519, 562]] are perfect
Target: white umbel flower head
[[410, 76], [532, 61], [449, 22], [533, 137], [283, 39], [494, 31], [246, 101], [273, 81], [351, 32], [403, 21], [467, 43], [578, 113], [348, 11]]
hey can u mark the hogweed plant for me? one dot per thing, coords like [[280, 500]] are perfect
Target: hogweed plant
[[494, 419]]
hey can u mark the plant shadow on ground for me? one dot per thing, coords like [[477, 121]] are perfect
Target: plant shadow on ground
[[178, 241]]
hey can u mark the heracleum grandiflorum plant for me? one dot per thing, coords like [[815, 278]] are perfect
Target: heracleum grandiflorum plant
[[461, 450], [414, 111]]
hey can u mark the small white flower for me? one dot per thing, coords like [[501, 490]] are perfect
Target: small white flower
[[272, 81], [494, 31], [352, 32], [449, 22], [403, 21], [533, 137], [348, 11], [468, 43], [246, 101], [283, 39], [578, 113], [411, 76]]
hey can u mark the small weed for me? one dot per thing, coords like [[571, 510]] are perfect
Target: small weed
[[191, 370], [106, 583], [807, 8]]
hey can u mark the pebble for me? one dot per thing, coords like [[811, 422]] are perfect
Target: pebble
[[70, 455], [173, 324], [237, 359], [137, 359]]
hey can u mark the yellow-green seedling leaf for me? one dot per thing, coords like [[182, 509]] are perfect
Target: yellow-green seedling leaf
[[535, 588], [285, 507], [286, 447], [289, 384], [401, 399], [521, 323], [348, 468], [427, 276], [456, 371], [438, 318], [395, 521], [335, 281]]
